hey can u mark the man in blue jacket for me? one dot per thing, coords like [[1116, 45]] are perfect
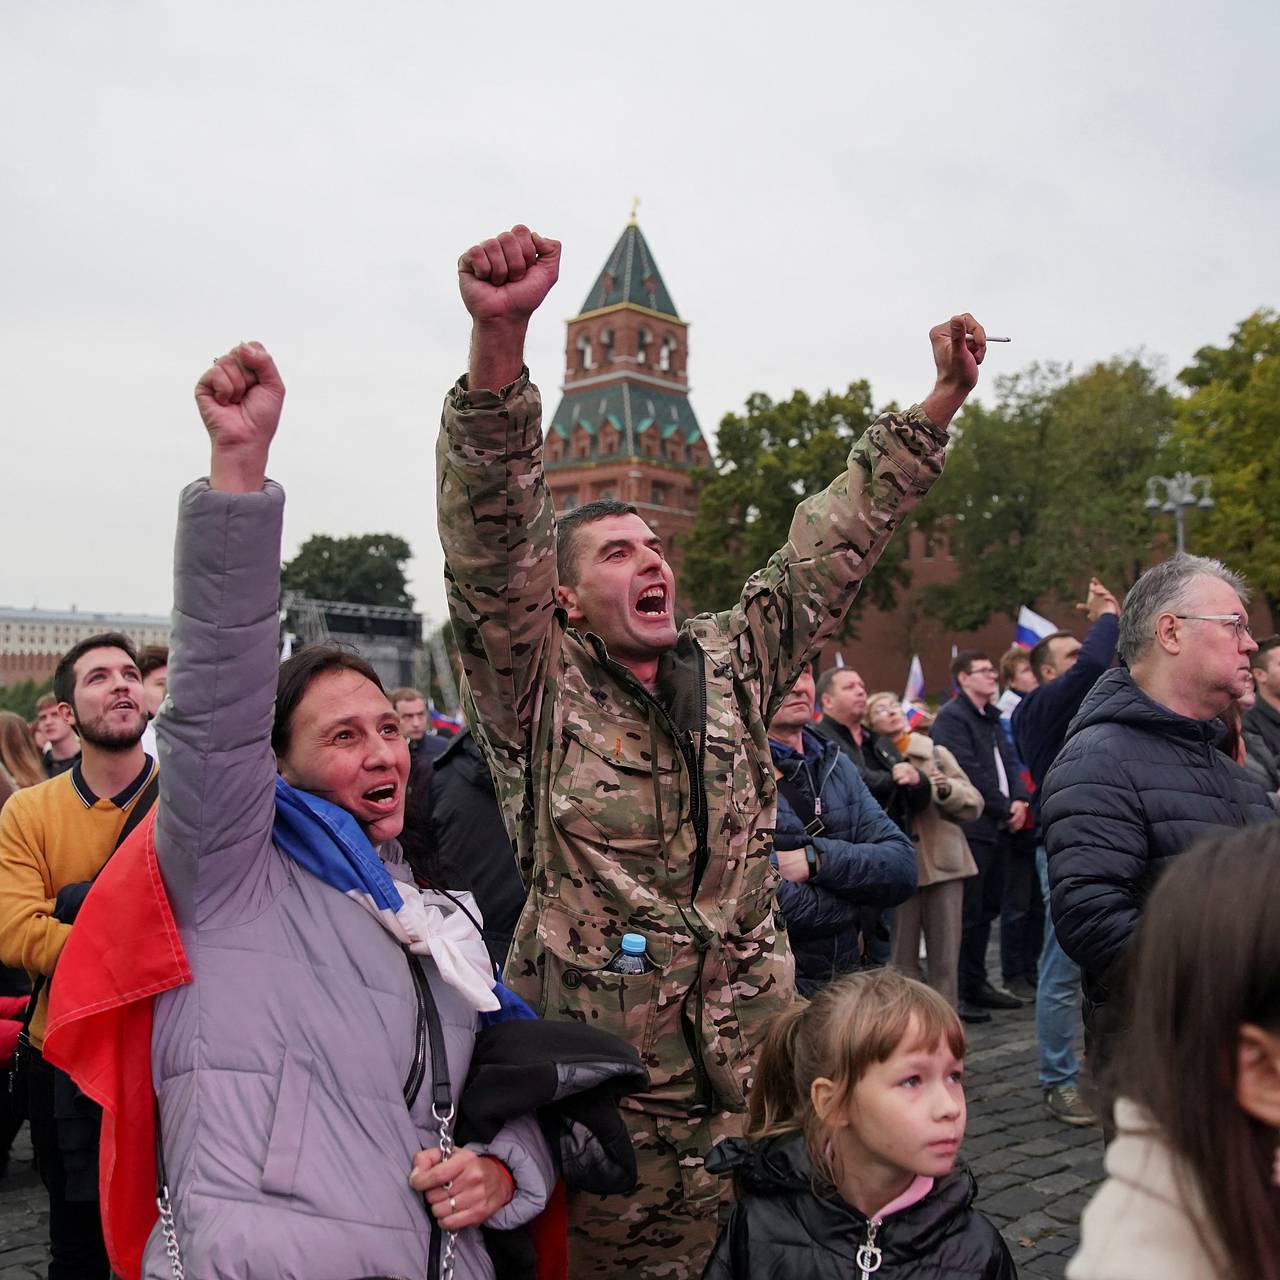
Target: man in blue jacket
[[969, 727], [835, 848], [1066, 670], [1139, 777]]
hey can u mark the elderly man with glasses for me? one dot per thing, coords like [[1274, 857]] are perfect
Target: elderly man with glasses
[[1138, 778]]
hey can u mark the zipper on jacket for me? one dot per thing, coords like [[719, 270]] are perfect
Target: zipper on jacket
[[702, 852], [869, 1256]]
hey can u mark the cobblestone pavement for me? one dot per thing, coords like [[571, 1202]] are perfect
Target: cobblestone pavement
[[24, 1218], [1034, 1174]]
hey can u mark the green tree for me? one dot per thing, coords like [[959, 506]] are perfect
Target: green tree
[[21, 697], [1228, 428], [1046, 487], [366, 568], [770, 457]]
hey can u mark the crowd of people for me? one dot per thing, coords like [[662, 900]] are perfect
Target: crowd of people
[[662, 965]]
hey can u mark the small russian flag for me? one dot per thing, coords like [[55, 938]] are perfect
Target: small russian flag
[[1031, 628], [915, 681], [441, 721], [914, 693]]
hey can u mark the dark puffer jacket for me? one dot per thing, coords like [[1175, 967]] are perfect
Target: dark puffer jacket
[[864, 859], [466, 843], [782, 1230], [1133, 786]]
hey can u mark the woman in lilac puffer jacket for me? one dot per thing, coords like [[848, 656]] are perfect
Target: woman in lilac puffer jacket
[[281, 1071]]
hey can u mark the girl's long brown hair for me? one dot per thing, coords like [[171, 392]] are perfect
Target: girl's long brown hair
[[1207, 961], [18, 753], [858, 1019]]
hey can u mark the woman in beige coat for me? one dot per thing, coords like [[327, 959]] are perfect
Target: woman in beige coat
[[943, 859]]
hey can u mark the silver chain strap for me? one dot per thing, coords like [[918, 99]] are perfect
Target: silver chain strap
[[445, 1120], [169, 1232]]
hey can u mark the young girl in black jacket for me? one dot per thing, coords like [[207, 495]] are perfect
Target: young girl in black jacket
[[848, 1168]]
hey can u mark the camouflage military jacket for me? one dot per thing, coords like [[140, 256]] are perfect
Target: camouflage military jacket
[[639, 813]]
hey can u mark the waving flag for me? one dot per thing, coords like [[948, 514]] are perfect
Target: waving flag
[[441, 721], [914, 693], [1032, 628]]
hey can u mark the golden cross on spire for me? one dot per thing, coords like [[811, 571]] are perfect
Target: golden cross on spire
[[635, 207]]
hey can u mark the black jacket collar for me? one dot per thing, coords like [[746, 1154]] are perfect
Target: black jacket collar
[[121, 801], [1117, 698]]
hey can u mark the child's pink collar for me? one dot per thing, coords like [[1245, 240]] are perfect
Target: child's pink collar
[[919, 1188]]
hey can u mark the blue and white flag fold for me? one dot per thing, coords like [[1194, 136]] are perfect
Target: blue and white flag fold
[[1031, 628], [329, 843]]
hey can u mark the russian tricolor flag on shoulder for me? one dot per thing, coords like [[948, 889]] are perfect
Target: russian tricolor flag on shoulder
[[1031, 628]]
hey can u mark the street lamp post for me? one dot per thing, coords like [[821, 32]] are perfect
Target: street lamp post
[[1180, 492]]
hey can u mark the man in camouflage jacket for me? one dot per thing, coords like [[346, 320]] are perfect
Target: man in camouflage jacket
[[631, 759]]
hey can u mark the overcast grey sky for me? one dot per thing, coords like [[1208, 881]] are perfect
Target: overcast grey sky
[[820, 184]]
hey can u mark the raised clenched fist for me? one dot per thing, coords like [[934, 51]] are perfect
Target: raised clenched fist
[[506, 278], [239, 397]]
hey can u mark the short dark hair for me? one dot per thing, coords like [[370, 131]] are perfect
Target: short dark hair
[[1258, 660], [826, 680], [965, 659], [64, 677], [155, 657], [568, 525], [296, 676], [1041, 652]]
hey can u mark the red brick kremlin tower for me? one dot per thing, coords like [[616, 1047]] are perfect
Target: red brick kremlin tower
[[624, 427]]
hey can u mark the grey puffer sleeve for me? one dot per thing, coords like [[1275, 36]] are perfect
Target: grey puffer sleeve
[[519, 1144], [217, 769]]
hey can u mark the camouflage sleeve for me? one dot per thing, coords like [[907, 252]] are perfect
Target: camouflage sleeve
[[497, 527], [792, 606]]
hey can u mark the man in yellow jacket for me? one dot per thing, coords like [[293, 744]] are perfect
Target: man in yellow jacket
[[54, 839]]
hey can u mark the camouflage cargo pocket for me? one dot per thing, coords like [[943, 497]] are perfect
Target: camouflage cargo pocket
[[756, 982], [603, 790], [576, 984]]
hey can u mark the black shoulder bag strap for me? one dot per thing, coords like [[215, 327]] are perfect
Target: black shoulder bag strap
[[430, 1035]]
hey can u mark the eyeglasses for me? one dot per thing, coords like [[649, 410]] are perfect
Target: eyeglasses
[[981, 671], [1236, 621]]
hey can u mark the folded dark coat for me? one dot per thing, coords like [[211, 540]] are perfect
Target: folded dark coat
[[572, 1076]]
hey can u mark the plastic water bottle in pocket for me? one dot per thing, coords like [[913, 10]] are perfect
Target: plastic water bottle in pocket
[[632, 957]]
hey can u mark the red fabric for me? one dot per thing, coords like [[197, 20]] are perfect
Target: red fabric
[[550, 1234], [11, 1010], [123, 951]]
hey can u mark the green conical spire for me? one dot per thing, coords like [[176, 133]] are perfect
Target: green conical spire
[[630, 275]]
